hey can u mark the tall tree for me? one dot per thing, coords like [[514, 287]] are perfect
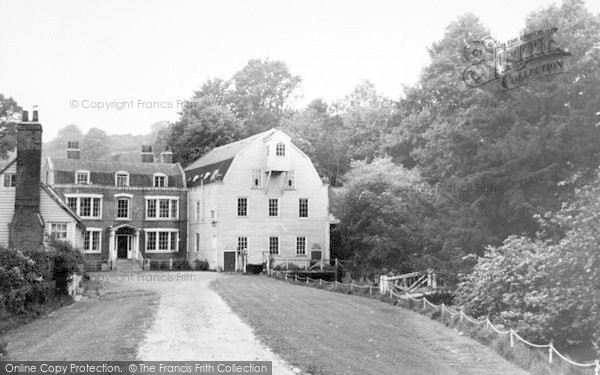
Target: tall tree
[[95, 144], [260, 92], [203, 126], [10, 113]]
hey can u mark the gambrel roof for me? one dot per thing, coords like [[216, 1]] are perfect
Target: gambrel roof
[[213, 166]]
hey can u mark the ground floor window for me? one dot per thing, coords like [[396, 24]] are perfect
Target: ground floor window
[[274, 245], [58, 231], [197, 242], [300, 245], [92, 240], [161, 240], [242, 243]]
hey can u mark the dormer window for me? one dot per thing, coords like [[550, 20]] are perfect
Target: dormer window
[[160, 180], [280, 149], [122, 179], [82, 177]]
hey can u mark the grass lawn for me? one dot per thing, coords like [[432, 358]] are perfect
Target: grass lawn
[[331, 333], [109, 327]]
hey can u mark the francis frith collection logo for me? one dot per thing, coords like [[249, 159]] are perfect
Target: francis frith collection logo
[[515, 63]]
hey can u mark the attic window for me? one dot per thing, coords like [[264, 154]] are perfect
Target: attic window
[[122, 179], [160, 180], [280, 149], [82, 177]]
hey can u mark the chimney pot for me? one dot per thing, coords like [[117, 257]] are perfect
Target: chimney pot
[[24, 116], [34, 116], [166, 157]]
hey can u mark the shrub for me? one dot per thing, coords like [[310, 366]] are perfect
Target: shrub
[[201, 265]]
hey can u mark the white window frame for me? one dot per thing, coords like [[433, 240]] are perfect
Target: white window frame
[[82, 171], [129, 198], [90, 230], [269, 207], [278, 245], [304, 250], [166, 179], [239, 248], [91, 196], [171, 231], [280, 149], [52, 227], [260, 179], [10, 180], [158, 198], [307, 208], [117, 178], [291, 176], [238, 207]]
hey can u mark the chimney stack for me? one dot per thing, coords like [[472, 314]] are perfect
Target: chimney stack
[[147, 154], [73, 151], [166, 157], [26, 228]]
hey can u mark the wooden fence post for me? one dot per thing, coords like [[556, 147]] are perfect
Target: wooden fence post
[[550, 350], [320, 282], [295, 278], [597, 370], [370, 290], [512, 339]]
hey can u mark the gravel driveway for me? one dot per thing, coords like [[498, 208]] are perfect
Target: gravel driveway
[[194, 323]]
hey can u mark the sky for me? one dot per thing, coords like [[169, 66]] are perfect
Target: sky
[[123, 65]]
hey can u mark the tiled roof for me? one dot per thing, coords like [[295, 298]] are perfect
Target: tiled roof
[[102, 166], [213, 165]]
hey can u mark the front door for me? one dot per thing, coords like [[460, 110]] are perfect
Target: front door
[[229, 261], [123, 245]]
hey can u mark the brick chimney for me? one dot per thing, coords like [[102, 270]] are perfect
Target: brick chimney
[[147, 154], [166, 157], [73, 151], [26, 228]]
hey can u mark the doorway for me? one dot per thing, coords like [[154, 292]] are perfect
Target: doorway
[[229, 261], [123, 245]]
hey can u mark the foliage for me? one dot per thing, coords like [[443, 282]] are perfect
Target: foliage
[[67, 259], [10, 113], [94, 144], [545, 290], [383, 215], [201, 265], [253, 100]]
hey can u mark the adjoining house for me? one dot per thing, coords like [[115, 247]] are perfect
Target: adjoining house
[[255, 199], [31, 212], [132, 211]]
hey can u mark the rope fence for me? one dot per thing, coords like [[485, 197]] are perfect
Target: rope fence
[[511, 332], [443, 309]]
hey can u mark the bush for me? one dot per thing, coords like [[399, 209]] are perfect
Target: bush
[[201, 265]]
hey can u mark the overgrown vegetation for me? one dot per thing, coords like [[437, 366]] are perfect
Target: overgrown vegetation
[[33, 282]]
